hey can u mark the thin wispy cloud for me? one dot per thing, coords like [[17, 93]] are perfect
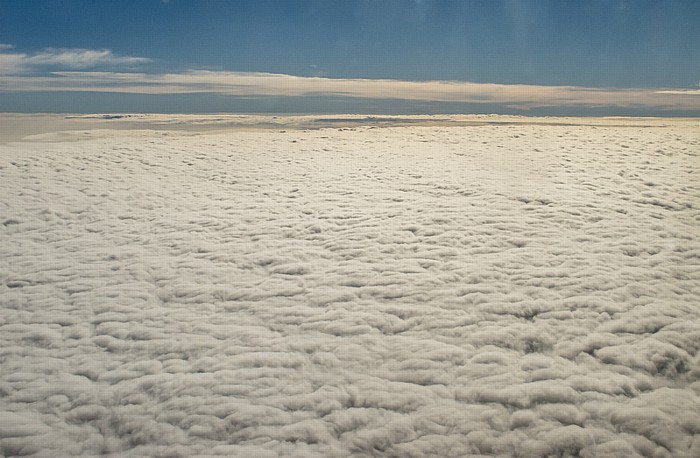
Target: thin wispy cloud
[[681, 91], [267, 84], [82, 58], [15, 62], [17, 75]]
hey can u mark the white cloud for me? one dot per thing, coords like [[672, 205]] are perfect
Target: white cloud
[[4, 46], [81, 58], [680, 91], [62, 58], [420, 291], [10, 63], [16, 75], [271, 84]]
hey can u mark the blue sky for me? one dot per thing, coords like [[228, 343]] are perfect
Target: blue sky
[[529, 57]]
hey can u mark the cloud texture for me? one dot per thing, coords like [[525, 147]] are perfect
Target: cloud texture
[[414, 291]]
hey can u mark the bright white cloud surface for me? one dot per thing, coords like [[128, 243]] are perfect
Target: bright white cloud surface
[[409, 291]]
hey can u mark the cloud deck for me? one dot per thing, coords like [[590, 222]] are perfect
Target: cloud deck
[[397, 291]]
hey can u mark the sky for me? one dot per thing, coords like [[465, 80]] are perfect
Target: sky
[[410, 56]]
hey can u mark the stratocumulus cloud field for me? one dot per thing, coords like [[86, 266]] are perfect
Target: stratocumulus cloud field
[[511, 290]]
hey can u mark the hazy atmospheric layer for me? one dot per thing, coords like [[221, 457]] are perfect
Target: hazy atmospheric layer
[[521, 290]]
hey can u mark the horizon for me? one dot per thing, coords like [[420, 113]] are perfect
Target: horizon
[[601, 58]]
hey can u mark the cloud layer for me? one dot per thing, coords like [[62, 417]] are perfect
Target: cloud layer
[[16, 75], [414, 291]]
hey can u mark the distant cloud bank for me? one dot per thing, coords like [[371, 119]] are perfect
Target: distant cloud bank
[[64, 70]]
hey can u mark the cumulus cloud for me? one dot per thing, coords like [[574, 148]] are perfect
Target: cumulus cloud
[[501, 290]]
